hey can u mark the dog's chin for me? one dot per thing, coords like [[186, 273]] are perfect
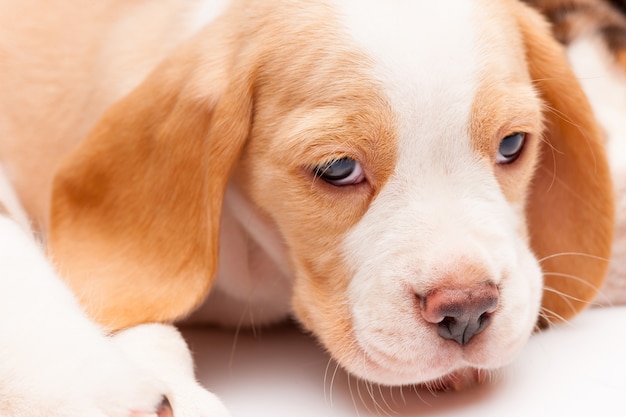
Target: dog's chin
[[444, 367], [447, 377], [461, 379], [451, 380]]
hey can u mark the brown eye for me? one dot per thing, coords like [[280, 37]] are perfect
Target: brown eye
[[510, 148], [344, 171]]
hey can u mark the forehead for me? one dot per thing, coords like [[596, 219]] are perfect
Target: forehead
[[407, 40], [449, 43], [436, 59]]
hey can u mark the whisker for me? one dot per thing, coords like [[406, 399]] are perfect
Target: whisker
[[330, 394], [363, 402], [384, 408], [600, 296], [417, 390], [582, 254], [547, 314], [566, 296], [393, 399], [402, 397], [236, 337], [356, 407], [390, 411], [582, 131], [369, 388], [563, 116], [576, 278]]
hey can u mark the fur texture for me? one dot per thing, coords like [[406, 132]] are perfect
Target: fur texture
[[187, 167]]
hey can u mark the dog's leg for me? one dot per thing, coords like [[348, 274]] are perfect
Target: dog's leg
[[162, 350], [53, 360]]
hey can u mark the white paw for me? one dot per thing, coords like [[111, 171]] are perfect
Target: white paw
[[102, 384], [161, 350], [125, 390], [194, 401]]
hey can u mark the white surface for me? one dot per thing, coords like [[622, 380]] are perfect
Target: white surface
[[577, 369]]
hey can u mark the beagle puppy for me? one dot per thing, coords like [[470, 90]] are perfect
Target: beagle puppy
[[420, 184]]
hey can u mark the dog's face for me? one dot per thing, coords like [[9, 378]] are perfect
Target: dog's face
[[401, 184], [416, 161]]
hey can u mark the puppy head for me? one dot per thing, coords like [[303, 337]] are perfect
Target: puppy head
[[430, 181]]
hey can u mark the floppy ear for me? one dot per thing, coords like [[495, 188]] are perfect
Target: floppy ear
[[136, 208], [570, 210]]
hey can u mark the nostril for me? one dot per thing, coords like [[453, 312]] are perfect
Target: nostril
[[460, 314], [165, 410], [484, 320]]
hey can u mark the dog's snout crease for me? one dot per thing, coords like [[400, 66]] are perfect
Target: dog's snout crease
[[460, 313]]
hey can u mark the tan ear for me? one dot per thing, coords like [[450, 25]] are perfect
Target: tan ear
[[570, 210], [136, 208]]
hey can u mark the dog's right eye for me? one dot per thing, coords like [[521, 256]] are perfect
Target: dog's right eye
[[344, 171], [510, 148]]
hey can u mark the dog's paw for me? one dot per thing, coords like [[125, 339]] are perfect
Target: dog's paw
[[161, 350], [102, 384], [194, 401], [111, 385], [128, 392]]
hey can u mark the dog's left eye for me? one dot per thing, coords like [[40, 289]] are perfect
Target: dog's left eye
[[510, 148], [344, 171]]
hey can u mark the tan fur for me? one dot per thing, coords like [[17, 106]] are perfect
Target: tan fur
[[136, 207], [570, 210], [163, 156], [561, 177], [491, 122], [63, 65], [144, 189], [506, 103]]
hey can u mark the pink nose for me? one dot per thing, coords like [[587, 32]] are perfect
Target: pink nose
[[460, 313]]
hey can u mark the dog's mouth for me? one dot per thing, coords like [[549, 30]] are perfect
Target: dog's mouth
[[450, 368], [461, 379], [420, 356]]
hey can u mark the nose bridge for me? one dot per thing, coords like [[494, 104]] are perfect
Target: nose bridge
[[462, 241], [458, 224]]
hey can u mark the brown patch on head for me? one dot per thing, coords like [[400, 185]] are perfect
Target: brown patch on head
[[506, 103], [315, 102], [136, 208], [501, 109]]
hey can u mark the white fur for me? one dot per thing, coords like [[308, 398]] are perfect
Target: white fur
[[9, 200], [61, 364], [438, 194], [54, 362], [203, 12], [253, 284], [161, 350]]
